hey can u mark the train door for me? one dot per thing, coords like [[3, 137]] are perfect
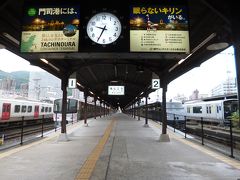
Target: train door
[[36, 111], [219, 113], [6, 111]]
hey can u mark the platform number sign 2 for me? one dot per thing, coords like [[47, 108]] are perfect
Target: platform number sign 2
[[155, 83]]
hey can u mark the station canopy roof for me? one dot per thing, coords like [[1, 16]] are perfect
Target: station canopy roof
[[98, 66]]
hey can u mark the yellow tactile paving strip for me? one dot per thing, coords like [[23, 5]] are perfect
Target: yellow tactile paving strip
[[220, 157], [23, 147], [89, 165]]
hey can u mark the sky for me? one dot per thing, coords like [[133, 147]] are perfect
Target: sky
[[203, 78], [10, 62]]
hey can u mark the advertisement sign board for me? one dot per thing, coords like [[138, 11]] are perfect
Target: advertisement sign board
[[159, 28], [50, 29]]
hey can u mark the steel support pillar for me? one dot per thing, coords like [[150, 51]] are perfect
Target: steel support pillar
[[85, 108], [164, 136], [104, 109], [139, 110], [134, 111], [95, 107], [64, 104], [146, 111], [236, 45], [100, 109]]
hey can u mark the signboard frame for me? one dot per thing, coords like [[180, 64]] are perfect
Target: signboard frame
[[159, 28], [116, 90], [155, 83], [50, 28], [72, 83]]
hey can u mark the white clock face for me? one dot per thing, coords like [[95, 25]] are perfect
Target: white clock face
[[104, 28]]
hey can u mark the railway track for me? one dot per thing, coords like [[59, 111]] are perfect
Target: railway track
[[18, 134]]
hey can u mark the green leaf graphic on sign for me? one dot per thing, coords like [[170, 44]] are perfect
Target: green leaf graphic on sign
[[32, 11], [26, 45]]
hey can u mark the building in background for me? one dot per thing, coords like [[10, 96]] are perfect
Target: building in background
[[75, 93], [7, 87], [23, 90], [43, 85], [195, 95], [180, 97], [228, 86], [8, 84]]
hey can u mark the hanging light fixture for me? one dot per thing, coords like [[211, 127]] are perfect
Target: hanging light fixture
[[217, 46]]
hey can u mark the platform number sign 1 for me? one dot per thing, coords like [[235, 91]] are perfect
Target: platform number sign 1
[[155, 83], [72, 83]]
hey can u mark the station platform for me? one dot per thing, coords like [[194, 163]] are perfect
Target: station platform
[[116, 147]]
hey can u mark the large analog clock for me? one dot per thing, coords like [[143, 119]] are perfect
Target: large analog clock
[[104, 28]]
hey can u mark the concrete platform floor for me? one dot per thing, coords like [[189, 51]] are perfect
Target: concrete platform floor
[[117, 147]]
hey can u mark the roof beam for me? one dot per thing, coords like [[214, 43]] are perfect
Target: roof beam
[[92, 74]]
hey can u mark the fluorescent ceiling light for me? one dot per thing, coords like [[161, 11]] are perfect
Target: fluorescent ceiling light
[[114, 81], [50, 64], [194, 50], [44, 60], [80, 85], [217, 46], [181, 61], [11, 38]]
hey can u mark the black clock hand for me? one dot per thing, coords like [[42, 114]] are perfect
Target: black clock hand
[[103, 29], [100, 27]]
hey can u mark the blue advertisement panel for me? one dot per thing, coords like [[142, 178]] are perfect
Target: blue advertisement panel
[[159, 28], [50, 29]]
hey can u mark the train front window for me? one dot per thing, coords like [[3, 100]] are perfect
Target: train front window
[[229, 108], [57, 106], [234, 107], [72, 106]]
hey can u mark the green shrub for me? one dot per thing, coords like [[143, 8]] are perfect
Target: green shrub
[[235, 119]]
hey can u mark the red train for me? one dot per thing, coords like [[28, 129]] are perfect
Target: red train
[[12, 110]]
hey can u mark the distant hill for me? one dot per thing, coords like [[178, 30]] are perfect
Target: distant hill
[[3, 74], [19, 76]]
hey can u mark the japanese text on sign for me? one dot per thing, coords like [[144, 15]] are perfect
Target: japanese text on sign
[[155, 10], [56, 11]]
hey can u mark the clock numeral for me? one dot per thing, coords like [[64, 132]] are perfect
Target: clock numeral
[[93, 23], [115, 22], [116, 29], [110, 39], [93, 35], [115, 34], [98, 18], [91, 29], [104, 41], [110, 18], [104, 17]]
